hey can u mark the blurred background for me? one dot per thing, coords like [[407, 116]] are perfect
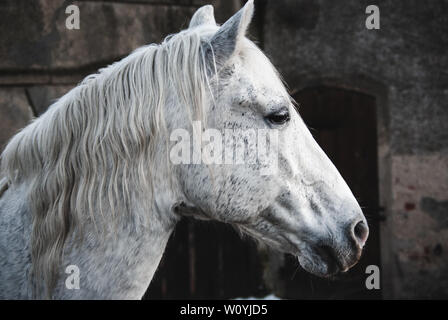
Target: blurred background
[[375, 100]]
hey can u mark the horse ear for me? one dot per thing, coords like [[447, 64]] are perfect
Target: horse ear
[[204, 15], [225, 40]]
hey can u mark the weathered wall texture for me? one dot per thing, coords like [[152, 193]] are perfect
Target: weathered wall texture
[[405, 66], [40, 59]]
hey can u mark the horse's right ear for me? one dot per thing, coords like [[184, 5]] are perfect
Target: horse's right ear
[[225, 41], [204, 15]]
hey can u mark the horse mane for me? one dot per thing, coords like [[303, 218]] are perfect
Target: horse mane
[[81, 157]]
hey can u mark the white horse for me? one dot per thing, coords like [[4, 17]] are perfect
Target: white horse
[[89, 188]]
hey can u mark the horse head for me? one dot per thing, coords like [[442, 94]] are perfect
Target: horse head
[[295, 201]]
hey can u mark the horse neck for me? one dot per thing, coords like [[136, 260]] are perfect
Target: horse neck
[[120, 264]]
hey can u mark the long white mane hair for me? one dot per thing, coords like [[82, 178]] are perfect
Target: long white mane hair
[[81, 155]]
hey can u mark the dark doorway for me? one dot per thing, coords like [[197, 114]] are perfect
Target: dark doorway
[[343, 122], [207, 260]]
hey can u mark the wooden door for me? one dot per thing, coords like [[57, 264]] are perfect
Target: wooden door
[[207, 260]]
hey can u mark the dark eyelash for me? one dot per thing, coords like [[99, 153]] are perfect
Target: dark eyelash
[[278, 117]]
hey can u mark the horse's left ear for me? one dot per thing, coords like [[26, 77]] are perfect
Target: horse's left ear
[[225, 41], [204, 15]]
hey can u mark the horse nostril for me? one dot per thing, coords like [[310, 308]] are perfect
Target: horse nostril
[[360, 233]]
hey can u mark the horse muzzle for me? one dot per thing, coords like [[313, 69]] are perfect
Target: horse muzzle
[[326, 258]]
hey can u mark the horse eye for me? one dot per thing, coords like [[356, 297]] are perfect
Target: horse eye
[[278, 117]]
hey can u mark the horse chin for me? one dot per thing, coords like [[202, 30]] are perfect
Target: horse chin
[[321, 262], [320, 269]]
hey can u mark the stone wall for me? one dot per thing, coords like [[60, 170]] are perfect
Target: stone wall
[[404, 65], [40, 59]]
